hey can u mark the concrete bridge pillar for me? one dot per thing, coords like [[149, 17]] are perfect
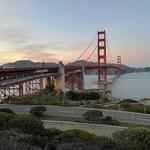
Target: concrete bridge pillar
[[83, 76], [59, 80], [45, 82]]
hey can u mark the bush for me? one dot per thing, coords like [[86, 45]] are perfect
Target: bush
[[127, 101], [73, 95], [76, 135], [52, 132], [94, 96], [38, 111], [133, 139], [94, 116], [27, 124], [86, 146], [6, 110], [83, 96], [109, 120], [4, 119], [13, 140], [133, 107]]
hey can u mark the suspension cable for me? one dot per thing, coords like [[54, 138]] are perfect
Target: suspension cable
[[90, 55], [87, 47], [109, 51]]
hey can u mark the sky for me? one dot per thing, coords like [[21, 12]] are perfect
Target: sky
[[60, 30]]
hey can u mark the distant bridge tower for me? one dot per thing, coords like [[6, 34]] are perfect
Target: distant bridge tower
[[101, 51], [119, 64], [119, 61]]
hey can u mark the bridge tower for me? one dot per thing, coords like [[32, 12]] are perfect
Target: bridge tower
[[101, 51], [119, 61]]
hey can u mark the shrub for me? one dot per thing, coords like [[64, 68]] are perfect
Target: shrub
[[27, 124], [127, 101], [13, 140], [109, 120], [76, 135], [133, 139], [73, 95], [52, 132], [93, 116], [94, 96], [38, 111], [86, 146], [83, 96], [6, 110], [133, 107], [4, 119]]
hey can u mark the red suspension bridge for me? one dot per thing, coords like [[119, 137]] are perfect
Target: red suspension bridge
[[19, 82]]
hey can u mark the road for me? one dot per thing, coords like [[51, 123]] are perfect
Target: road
[[92, 128], [78, 112]]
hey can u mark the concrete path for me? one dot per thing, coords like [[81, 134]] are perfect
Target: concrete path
[[92, 128]]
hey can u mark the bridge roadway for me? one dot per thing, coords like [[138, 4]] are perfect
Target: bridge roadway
[[123, 116], [12, 75], [24, 79]]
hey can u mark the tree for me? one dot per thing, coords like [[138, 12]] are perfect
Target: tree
[[38, 111], [94, 116], [50, 88]]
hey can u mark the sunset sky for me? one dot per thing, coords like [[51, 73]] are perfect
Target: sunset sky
[[54, 30]]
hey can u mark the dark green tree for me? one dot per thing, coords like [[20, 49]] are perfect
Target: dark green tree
[[38, 111], [94, 116]]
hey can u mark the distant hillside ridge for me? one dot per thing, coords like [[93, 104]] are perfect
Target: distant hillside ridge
[[29, 64]]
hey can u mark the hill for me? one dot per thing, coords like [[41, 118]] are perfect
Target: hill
[[28, 64]]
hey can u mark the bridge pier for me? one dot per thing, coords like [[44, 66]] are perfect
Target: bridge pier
[[59, 80], [45, 82]]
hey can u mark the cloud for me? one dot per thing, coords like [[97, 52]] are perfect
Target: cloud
[[46, 57], [22, 43]]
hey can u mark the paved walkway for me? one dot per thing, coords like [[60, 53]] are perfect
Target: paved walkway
[[92, 128]]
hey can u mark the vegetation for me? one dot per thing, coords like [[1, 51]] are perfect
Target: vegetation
[[133, 139], [6, 110], [4, 119], [27, 124], [42, 98], [96, 116], [83, 96], [76, 135], [27, 132], [38, 111], [110, 121], [127, 101]]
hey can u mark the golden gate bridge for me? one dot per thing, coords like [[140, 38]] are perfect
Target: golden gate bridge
[[19, 82]]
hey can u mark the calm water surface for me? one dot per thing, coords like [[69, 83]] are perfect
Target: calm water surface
[[131, 85]]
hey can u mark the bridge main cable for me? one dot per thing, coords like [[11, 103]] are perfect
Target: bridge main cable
[[87, 47]]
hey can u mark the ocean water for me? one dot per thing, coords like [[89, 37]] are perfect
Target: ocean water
[[131, 85]]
